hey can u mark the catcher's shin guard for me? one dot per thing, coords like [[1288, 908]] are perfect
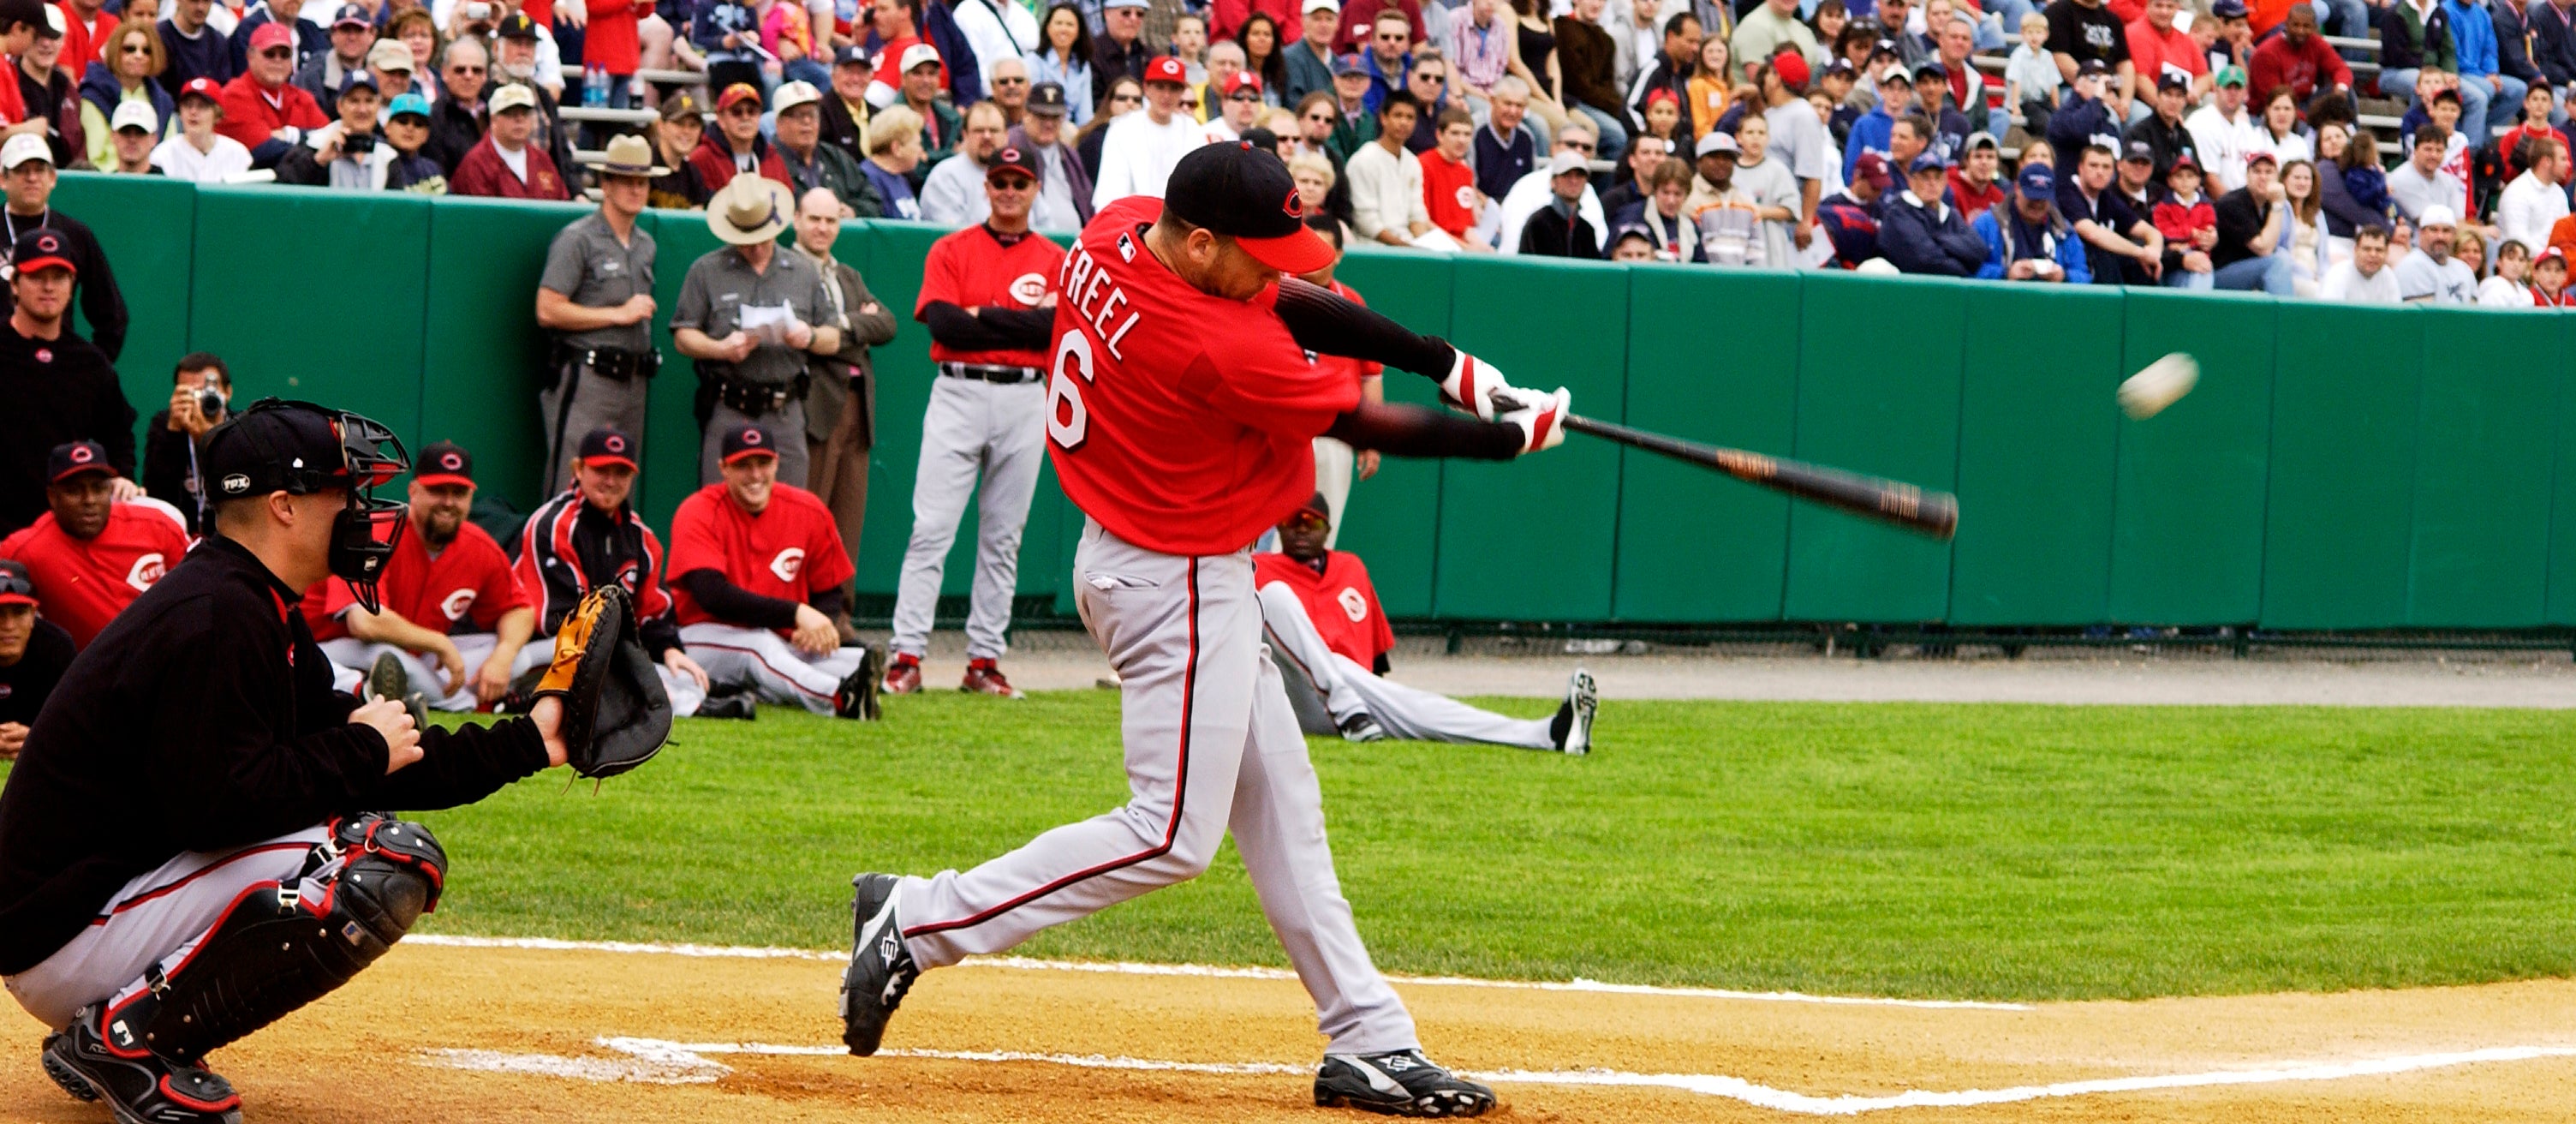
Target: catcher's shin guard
[[279, 947]]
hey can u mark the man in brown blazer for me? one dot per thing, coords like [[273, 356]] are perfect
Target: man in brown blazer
[[840, 409]]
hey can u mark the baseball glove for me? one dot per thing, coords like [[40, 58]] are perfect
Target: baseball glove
[[616, 715]]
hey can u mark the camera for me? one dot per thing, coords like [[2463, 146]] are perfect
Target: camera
[[478, 10], [357, 144], [210, 403]]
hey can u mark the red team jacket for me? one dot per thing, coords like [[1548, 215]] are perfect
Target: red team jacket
[[466, 589], [82, 585], [789, 551], [971, 268], [1341, 602], [1184, 423], [253, 111]]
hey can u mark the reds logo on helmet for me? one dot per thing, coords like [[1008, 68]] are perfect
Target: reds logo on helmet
[[147, 570], [1029, 288], [450, 461], [788, 564], [454, 607], [1292, 206], [1354, 606], [81, 454], [616, 443]]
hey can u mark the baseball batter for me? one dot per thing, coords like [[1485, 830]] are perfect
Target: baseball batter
[[758, 570], [1180, 418], [987, 295], [1331, 640], [93, 555]]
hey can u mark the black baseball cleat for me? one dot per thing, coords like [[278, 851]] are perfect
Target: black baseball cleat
[[387, 679], [1403, 1083], [140, 1088], [1572, 729], [732, 704], [881, 968], [857, 695], [1362, 727]]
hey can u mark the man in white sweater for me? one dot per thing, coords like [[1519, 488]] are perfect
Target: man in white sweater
[[2366, 278], [1141, 148], [1386, 180], [2534, 201]]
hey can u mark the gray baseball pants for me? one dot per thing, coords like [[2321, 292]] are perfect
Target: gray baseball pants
[[774, 670], [972, 428], [1341, 687], [596, 400], [1210, 747]]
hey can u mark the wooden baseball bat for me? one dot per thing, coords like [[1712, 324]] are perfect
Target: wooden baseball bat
[[1929, 513]]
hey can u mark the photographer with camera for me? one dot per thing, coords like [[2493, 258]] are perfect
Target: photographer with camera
[[201, 391], [343, 155]]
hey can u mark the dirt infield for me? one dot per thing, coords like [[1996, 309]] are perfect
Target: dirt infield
[[444, 1033]]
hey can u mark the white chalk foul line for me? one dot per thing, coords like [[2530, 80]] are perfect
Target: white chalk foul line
[[1200, 971], [657, 1062]]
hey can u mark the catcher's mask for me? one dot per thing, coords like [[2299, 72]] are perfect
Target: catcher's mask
[[301, 448]]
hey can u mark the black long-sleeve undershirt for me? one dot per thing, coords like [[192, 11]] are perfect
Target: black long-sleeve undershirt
[[735, 605], [1327, 323], [989, 329]]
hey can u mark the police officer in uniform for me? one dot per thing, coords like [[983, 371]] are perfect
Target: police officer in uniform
[[187, 851], [751, 314], [596, 296]]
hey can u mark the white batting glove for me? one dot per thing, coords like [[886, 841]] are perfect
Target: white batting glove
[[1471, 384], [1540, 416]]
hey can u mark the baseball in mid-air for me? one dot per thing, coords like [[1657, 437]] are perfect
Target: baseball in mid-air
[[2149, 391]]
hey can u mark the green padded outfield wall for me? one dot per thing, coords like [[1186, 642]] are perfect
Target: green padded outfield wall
[[2337, 468]]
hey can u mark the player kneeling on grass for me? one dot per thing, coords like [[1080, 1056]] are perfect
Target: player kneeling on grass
[[1330, 639], [760, 568], [452, 617], [182, 857]]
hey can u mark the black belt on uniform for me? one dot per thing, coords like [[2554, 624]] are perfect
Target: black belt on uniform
[[985, 372]]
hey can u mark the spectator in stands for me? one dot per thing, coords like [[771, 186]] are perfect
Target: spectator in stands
[[1428, 81], [1481, 45], [2537, 106], [33, 656], [1120, 50], [86, 25], [1063, 56], [1711, 91], [2473, 39], [953, 193], [2431, 274], [353, 32], [894, 150], [523, 54], [49, 93], [1761, 33], [2549, 280], [2419, 184], [1849, 218], [2031, 77], [1239, 108], [1142, 147], [1672, 235], [27, 171], [2086, 115], [2122, 247], [736, 146], [1947, 134], [725, 33], [2254, 225], [345, 154], [1387, 57], [809, 162], [127, 73], [2081, 31], [1533, 192], [2536, 199], [194, 49], [844, 106], [1561, 229], [134, 133], [60, 389], [2189, 225], [261, 110], [2412, 39], [2343, 213], [1777, 194], [1872, 131], [506, 164], [1449, 195], [1064, 186], [1966, 84], [1921, 233], [1505, 148], [840, 408], [941, 125], [95, 551], [1798, 139], [2157, 49], [1587, 60], [2280, 133], [457, 121], [2027, 240], [2301, 60], [1386, 180], [2162, 131], [682, 128], [1354, 124], [201, 390], [1644, 154], [1720, 210], [407, 130], [2136, 179], [1973, 186], [2223, 132], [752, 369], [2510, 286], [1310, 59], [392, 65], [197, 153], [1672, 71], [2366, 279]]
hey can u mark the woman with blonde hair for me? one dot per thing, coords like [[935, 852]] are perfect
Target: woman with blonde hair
[[127, 64], [1316, 183], [2307, 242]]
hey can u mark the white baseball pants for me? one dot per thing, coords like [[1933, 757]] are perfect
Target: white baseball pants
[[426, 676], [972, 428], [157, 918], [684, 692], [1210, 746], [1335, 465], [1345, 688], [771, 667]]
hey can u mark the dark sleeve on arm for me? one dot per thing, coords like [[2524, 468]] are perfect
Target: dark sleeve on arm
[[991, 330], [1324, 322], [114, 426], [463, 765], [660, 635], [733, 604], [1401, 430], [101, 301], [828, 602]]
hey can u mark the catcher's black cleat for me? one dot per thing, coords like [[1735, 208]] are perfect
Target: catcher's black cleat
[[139, 1086], [857, 696], [881, 968], [737, 704], [387, 679], [1403, 1083]]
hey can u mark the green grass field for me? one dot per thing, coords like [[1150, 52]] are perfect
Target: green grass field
[[1968, 851]]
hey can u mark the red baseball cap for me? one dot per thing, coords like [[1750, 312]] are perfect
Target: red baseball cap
[[207, 88], [16, 588], [1167, 69], [1242, 80], [1792, 69], [269, 35], [738, 92]]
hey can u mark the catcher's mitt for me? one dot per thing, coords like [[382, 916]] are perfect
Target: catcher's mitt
[[615, 713]]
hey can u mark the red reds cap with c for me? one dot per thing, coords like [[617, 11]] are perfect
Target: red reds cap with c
[[16, 588], [607, 445], [747, 440], [444, 462], [1246, 194], [1165, 68], [70, 460]]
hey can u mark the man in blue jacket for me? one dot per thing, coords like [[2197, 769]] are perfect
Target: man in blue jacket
[[2473, 39], [1920, 232], [1870, 133], [2029, 240]]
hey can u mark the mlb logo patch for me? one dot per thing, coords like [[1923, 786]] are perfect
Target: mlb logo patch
[[1127, 247]]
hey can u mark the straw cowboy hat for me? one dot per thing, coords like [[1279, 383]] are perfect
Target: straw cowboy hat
[[751, 208], [631, 155]]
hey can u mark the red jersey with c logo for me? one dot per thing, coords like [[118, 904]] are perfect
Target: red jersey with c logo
[[788, 551], [464, 590], [1340, 600], [971, 268], [82, 585], [1183, 422]]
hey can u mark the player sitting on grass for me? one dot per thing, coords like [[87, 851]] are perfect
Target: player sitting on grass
[[1330, 640], [450, 601], [759, 568], [93, 554]]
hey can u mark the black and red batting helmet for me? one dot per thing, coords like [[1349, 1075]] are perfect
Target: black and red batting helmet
[[301, 448], [1246, 193]]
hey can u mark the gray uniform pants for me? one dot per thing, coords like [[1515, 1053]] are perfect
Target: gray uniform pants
[[971, 428], [684, 692], [1323, 682], [1210, 747], [594, 400], [771, 667], [787, 427]]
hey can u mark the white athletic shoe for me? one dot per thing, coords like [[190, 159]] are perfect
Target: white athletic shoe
[[1574, 718]]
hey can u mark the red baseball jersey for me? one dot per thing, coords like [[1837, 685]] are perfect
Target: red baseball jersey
[[465, 589], [1183, 422], [1339, 600], [971, 268], [83, 585], [788, 551]]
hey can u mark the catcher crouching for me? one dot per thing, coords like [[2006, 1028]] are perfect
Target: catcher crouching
[[192, 844]]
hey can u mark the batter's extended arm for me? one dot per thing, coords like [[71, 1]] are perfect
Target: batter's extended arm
[[1326, 323]]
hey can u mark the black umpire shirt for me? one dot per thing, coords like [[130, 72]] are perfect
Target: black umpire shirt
[[52, 392], [25, 684], [203, 719], [100, 301]]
